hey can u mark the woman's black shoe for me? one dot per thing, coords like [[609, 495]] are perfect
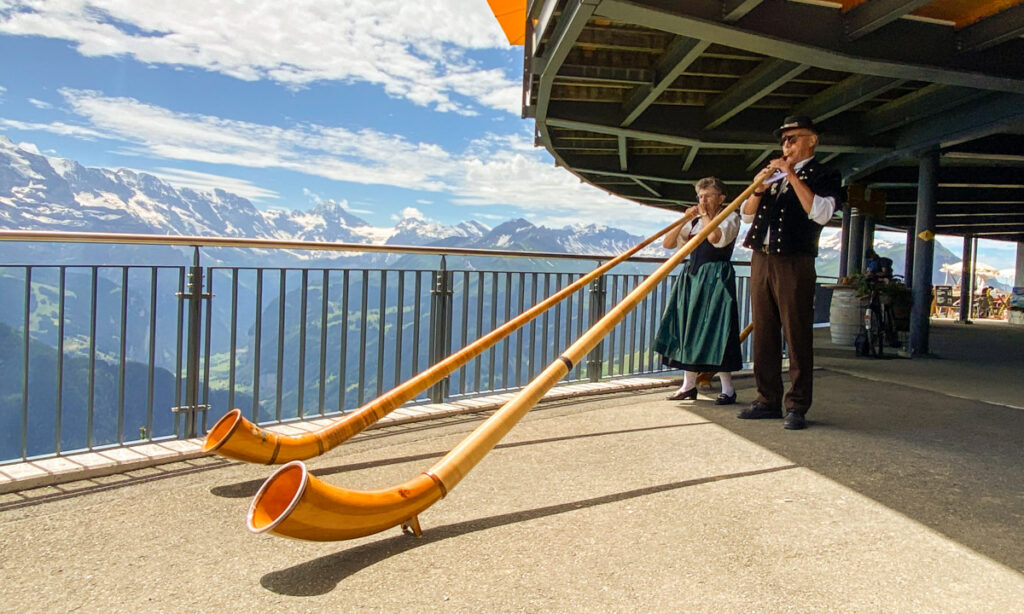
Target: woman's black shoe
[[724, 399], [686, 395]]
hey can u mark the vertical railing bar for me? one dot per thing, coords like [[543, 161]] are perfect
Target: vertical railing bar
[[568, 318], [179, 355], [544, 324], [655, 311], [567, 325], [479, 323], [417, 313], [324, 290], [300, 400], [632, 330], [381, 328], [282, 288], [343, 361], [556, 344], [60, 357], [91, 381], [122, 358], [257, 343], [464, 371], [26, 338], [233, 342], [533, 329], [494, 324], [521, 292], [362, 335], [579, 326], [399, 328], [506, 341], [614, 298], [659, 309], [642, 335], [207, 341], [150, 391]]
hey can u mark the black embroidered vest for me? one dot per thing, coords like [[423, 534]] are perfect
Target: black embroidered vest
[[706, 252], [780, 211]]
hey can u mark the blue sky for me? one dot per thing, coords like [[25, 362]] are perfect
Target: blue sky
[[389, 107]]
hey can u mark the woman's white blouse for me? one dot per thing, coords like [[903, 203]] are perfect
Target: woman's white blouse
[[730, 228]]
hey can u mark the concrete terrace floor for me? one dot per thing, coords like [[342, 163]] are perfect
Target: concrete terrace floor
[[905, 495]]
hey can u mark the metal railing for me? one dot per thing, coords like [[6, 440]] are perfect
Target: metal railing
[[116, 355]]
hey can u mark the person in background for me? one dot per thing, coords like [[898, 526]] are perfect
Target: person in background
[[795, 198], [699, 329]]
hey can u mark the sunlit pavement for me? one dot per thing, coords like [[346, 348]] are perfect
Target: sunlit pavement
[[899, 497]]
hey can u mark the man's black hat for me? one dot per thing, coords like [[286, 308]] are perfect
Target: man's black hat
[[795, 121]]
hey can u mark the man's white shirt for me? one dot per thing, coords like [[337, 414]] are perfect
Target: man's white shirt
[[821, 209]]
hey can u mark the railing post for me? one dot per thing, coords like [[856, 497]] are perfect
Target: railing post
[[595, 363], [195, 297], [440, 326]]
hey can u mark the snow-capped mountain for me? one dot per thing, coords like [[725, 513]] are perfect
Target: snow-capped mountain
[[43, 193], [39, 192]]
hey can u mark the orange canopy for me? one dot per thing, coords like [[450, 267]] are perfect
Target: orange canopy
[[511, 15]]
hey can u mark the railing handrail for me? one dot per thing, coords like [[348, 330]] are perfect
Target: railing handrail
[[59, 236]]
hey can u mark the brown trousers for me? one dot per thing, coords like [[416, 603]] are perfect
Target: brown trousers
[[782, 298]]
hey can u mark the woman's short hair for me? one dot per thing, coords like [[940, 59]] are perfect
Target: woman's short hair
[[710, 182]]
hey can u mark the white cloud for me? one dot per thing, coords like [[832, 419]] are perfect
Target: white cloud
[[40, 104], [414, 50], [207, 182], [494, 171], [412, 213], [60, 128]]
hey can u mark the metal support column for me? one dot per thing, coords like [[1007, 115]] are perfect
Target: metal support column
[[194, 297], [855, 257], [595, 362], [908, 258], [440, 326], [869, 240], [966, 280], [844, 244], [924, 251]]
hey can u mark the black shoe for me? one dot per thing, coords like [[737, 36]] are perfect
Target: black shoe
[[794, 421], [724, 399], [759, 411], [686, 395]]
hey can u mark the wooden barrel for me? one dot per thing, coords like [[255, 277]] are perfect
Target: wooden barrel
[[846, 316]]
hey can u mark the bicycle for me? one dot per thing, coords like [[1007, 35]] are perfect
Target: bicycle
[[879, 320]]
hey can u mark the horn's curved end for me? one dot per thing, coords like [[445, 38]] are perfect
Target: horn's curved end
[[293, 503], [278, 496], [235, 437]]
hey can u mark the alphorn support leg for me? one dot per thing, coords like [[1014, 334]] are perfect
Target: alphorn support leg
[[412, 527]]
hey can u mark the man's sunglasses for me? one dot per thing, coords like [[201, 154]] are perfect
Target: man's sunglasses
[[789, 139]]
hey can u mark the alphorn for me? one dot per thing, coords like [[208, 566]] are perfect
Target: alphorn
[[236, 437], [293, 503]]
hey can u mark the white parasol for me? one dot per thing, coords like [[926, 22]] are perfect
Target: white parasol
[[982, 271]]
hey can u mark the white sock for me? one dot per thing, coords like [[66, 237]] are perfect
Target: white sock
[[726, 378], [689, 381]]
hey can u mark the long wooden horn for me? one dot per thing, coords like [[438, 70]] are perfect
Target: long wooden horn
[[293, 503], [236, 437]]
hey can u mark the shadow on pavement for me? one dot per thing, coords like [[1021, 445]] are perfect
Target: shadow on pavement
[[251, 487], [322, 575], [950, 463]]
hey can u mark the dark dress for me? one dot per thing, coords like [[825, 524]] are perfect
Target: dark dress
[[699, 330]]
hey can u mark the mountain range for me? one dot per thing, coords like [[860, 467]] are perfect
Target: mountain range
[[39, 192]]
